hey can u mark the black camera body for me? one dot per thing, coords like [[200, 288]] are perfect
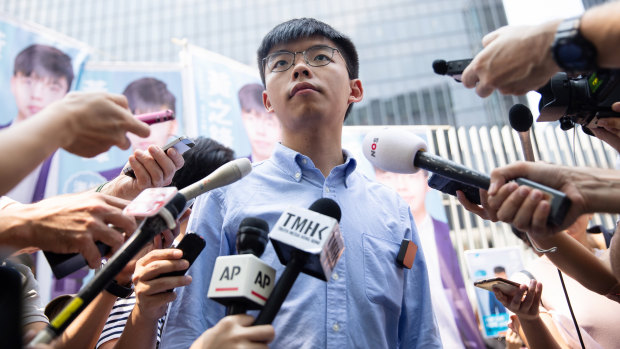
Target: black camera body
[[582, 100]]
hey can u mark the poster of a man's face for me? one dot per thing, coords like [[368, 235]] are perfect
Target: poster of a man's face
[[263, 128], [147, 95], [42, 74], [411, 186]]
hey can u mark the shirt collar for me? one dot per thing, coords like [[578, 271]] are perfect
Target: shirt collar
[[297, 165]]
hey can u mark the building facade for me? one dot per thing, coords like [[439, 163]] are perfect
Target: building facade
[[397, 42]]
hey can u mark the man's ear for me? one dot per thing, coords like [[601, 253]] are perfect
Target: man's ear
[[267, 102], [357, 91]]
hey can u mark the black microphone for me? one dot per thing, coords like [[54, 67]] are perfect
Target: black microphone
[[521, 120], [399, 151], [305, 240], [453, 69], [244, 282], [161, 207]]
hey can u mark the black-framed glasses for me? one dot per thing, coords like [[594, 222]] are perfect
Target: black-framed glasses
[[316, 56]]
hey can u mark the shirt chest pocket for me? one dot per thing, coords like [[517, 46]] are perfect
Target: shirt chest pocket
[[383, 278]]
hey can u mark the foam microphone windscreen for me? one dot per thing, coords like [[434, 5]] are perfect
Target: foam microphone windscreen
[[327, 207], [520, 117]]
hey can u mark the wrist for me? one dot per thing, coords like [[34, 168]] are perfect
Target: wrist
[[118, 290]]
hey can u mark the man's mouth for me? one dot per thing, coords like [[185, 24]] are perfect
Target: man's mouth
[[302, 87]]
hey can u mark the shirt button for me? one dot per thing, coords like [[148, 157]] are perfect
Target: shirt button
[[297, 175], [335, 276], [304, 161], [336, 327], [327, 190]]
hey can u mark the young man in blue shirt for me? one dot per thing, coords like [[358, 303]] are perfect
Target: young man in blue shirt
[[310, 73]]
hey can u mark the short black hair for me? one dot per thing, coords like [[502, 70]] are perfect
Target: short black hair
[[147, 93], [303, 28], [45, 61], [499, 269], [206, 156]]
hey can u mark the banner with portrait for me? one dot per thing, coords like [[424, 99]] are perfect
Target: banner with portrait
[[487, 264], [225, 103], [148, 87]]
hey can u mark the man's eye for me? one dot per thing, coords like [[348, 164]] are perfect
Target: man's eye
[[321, 58], [280, 63]]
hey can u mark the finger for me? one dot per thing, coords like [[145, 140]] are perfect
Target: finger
[[470, 77], [487, 39], [484, 201], [126, 123], [529, 296], [513, 203], [537, 294], [501, 175], [616, 107], [540, 217], [161, 254], [155, 286], [610, 122], [156, 268], [470, 206], [143, 177], [516, 299], [607, 137], [496, 200], [121, 222], [523, 217], [165, 163], [176, 157], [155, 172], [114, 201], [242, 319], [107, 235], [484, 89], [262, 333], [118, 99], [91, 254]]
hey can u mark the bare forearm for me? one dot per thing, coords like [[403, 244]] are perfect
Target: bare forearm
[[92, 318], [139, 332], [25, 145], [577, 261], [600, 25], [538, 335]]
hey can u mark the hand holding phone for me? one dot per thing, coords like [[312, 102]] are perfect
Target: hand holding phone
[[181, 144], [191, 245]]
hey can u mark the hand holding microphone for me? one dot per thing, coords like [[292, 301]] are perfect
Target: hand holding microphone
[[161, 207], [403, 152]]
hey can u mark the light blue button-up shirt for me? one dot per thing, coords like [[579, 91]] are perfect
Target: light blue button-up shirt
[[369, 301]]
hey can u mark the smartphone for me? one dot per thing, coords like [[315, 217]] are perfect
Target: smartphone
[[191, 245], [181, 144], [450, 186], [506, 286], [156, 117], [63, 264]]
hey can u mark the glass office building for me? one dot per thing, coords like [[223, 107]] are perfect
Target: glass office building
[[397, 42]]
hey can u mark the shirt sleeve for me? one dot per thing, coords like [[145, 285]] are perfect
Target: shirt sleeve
[[115, 324], [192, 312], [32, 309], [417, 325]]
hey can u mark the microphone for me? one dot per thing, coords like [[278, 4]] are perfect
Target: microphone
[[63, 264], [521, 120], [305, 240], [399, 151], [453, 69], [160, 207], [244, 282]]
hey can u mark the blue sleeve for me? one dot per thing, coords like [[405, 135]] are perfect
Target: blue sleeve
[[192, 312], [417, 325]]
